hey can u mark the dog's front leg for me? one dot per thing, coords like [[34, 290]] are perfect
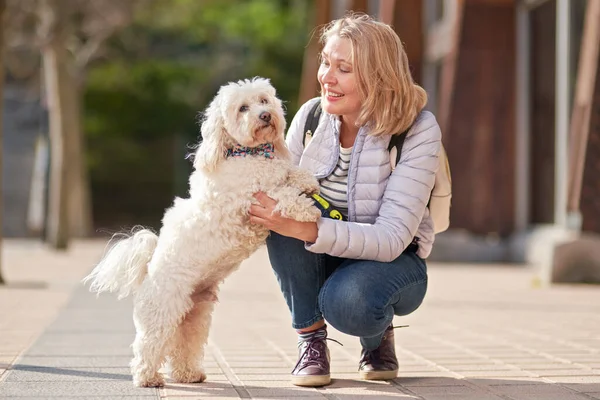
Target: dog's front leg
[[291, 205], [303, 180]]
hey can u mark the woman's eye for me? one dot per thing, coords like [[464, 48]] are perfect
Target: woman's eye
[[264, 101], [243, 108]]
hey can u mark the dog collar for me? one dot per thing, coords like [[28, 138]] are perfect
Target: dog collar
[[267, 150]]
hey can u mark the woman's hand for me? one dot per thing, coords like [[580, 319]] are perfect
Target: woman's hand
[[263, 214]]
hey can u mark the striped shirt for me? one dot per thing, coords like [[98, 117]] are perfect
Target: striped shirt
[[334, 188]]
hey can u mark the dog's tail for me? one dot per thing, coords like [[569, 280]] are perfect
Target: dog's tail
[[125, 265]]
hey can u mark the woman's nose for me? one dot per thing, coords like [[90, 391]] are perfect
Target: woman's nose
[[327, 76]]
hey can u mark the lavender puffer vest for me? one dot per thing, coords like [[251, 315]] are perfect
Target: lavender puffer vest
[[385, 210]]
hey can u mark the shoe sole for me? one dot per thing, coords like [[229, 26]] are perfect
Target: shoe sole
[[378, 375], [311, 380]]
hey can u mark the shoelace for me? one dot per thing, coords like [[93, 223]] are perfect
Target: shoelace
[[312, 354]]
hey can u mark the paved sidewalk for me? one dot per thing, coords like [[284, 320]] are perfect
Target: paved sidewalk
[[484, 332]]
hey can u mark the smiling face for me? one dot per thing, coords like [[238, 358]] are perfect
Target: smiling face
[[338, 79]]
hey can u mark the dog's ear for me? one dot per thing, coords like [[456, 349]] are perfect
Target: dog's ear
[[281, 150], [213, 147]]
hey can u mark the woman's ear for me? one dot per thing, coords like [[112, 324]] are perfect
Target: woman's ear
[[213, 147]]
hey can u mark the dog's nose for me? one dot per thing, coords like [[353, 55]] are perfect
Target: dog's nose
[[265, 116]]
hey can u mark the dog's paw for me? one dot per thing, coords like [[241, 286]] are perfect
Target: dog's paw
[[308, 186], [301, 209], [156, 380], [303, 181], [311, 214], [188, 376], [311, 189]]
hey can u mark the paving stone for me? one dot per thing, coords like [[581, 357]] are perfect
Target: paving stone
[[478, 367], [452, 392], [583, 387], [108, 397], [539, 392], [263, 377], [59, 389], [432, 381], [6, 360], [75, 361], [575, 379], [564, 372], [195, 396], [495, 374], [546, 366], [488, 340], [21, 373], [283, 393], [419, 374], [507, 380], [199, 390]]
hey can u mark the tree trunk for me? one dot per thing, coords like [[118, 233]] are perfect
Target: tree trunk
[[309, 86], [2, 6], [54, 58], [80, 210]]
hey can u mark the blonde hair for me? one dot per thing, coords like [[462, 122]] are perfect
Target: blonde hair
[[391, 100]]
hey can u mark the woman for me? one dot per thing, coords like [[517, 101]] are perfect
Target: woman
[[357, 274]]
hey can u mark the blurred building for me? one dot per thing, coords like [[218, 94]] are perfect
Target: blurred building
[[22, 121]]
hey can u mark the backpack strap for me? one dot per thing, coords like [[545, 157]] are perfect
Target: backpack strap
[[395, 147], [312, 121]]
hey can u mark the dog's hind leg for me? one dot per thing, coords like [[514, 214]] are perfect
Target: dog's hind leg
[[187, 350], [155, 328]]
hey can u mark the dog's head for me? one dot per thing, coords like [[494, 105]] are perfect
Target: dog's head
[[246, 112]]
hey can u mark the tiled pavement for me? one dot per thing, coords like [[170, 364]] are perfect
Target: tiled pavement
[[483, 332]]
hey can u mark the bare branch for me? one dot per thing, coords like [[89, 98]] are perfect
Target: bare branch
[[92, 23], [90, 48], [20, 23], [100, 21]]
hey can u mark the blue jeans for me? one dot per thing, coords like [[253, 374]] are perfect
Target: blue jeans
[[356, 297]]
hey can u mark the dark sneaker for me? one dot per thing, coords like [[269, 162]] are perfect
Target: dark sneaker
[[381, 363], [312, 368]]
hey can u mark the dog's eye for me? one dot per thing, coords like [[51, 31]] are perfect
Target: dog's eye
[[244, 108], [264, 101]]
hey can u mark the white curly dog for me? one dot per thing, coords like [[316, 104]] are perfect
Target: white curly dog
[[175, 276]]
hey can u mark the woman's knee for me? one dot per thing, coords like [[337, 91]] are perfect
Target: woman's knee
[[351, 309], [361, 299], [410, 298]]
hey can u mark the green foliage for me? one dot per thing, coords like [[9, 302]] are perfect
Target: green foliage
[[131, 105], [142, 101]]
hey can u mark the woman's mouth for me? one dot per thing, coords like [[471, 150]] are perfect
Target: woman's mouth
[[332, 96]]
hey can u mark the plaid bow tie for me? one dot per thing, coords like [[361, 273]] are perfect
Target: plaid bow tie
[[265, 150]]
